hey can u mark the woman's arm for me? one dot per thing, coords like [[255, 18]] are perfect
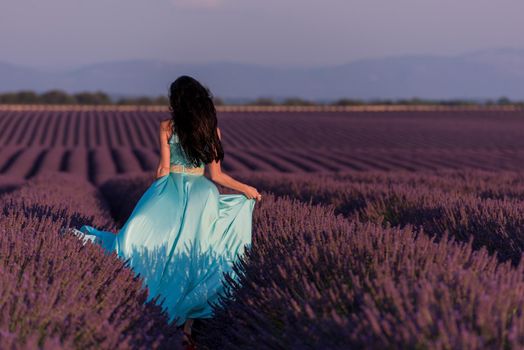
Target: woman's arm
[[163, 164], [217, 175]]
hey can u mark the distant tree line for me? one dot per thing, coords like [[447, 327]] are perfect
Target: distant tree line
[[102, 98], [81, 98], [295, 101]]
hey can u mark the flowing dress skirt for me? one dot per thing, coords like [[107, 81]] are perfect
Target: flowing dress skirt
[[181, 237]]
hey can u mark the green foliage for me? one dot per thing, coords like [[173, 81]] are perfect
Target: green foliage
[[296, 101], [503, 101], [218, 101], [348, 102], [25, 97], [263, 101], [57, 97], [81, 98], [92, 98], [101, 98]]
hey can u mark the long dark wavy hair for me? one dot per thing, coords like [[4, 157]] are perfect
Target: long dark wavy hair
[[194, 120]]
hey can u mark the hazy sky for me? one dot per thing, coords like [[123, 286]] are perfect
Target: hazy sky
[[62, 33]]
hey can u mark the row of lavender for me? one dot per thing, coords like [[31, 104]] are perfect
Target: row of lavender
[[57, 293], [97, 145], [347, 130], [99, 164], [327, 270], [486, 207]]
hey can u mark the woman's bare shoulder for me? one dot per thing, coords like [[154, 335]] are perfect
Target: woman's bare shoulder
[[166, 124]]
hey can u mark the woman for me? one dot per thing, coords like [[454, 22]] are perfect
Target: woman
[[182, 234]]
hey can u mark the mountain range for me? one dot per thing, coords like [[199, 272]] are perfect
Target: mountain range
[[474, 75]]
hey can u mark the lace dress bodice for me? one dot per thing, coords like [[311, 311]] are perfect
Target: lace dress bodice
[[177, 155]]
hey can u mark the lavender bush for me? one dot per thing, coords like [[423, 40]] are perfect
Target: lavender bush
[[123, 192], [314, 280], [317, 279], [363, 260], [345, 190], [484, 206], [8, 184], [57, 292]]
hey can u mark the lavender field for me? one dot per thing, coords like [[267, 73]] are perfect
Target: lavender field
[[398, 230], [96, 145]]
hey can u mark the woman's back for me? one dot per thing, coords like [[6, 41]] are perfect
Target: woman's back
[[177, 156]]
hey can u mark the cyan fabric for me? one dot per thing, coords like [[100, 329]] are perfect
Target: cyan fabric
[[181, 237], [177, 155]]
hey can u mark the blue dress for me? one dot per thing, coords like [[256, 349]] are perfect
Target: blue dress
[[181, 237]]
